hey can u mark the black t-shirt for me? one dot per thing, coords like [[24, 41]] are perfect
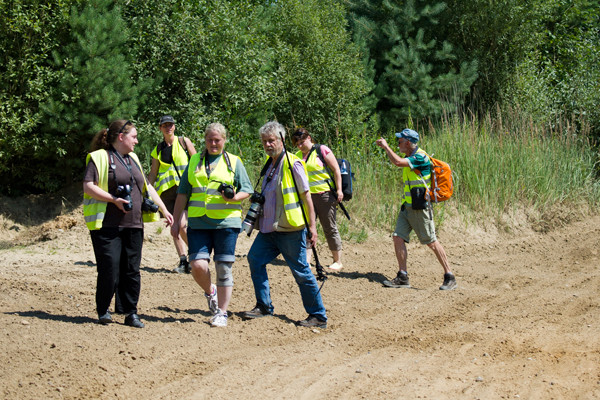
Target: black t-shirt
[[120, 176], [166, 152]]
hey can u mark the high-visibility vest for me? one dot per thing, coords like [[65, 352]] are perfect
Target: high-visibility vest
[[94, 210], [318, 176], [291, 202], [167, 176], [205, 198], [412, 179]]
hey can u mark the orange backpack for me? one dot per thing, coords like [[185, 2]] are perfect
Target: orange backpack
[[441, 186]]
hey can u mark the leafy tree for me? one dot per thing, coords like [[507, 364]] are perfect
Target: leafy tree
[[29, 31], [321, 81], [560, 76]]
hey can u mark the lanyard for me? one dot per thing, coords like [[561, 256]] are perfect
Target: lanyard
[[127, 165]]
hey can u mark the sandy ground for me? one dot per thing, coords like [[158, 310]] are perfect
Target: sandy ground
[[524, 322]]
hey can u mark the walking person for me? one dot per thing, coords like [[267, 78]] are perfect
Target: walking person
[[415, 212], [324, 193], [282, 229], [169, 159], [213, 186], [114, 188]]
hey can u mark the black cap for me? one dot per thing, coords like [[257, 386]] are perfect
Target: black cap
[[166, 118]]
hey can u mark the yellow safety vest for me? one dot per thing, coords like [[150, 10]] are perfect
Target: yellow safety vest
[[94, 210], [167, 176], [291, 202], [412, 179], [205, 198], [317, 176]]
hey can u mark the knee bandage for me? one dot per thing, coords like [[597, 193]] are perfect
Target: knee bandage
[[224, 275]]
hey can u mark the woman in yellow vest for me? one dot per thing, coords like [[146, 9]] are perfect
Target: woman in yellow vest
[[212, 187], [169, 159], [114, 190], [324, 192]]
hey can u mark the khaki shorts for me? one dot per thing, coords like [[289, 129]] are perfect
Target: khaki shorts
[[417, 220]]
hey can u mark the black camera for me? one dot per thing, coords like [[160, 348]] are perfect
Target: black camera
[[149, 206], [124, 192], [256, 202], [227, 189]]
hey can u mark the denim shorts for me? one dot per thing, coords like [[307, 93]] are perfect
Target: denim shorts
[[202, 242]]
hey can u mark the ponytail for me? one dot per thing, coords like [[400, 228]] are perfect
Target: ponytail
[[107, 136]]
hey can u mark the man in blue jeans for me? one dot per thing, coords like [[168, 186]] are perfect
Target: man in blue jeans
[[282, 229]]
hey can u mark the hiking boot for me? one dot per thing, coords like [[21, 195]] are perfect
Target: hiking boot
[[400, 281], [182, 267], [212, 300], [449, 282], [256, 312], [186, 267], [219, 320], [312, 322]]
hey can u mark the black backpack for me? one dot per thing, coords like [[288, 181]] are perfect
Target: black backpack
[[345, 171]]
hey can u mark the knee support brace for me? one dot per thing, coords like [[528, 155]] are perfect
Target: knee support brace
[[224, 275]]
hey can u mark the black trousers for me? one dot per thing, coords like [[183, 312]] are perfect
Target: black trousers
[[118, 255]]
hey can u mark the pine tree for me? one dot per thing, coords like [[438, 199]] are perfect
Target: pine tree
[[416, 73], [94, 86]]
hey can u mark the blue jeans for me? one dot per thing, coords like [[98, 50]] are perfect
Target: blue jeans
[[292, 245], [201, 242]]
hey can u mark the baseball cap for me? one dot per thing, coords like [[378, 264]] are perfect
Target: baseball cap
[[166, 118], [408, 134]]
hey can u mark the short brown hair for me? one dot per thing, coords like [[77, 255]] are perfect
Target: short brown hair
[[300, 134]]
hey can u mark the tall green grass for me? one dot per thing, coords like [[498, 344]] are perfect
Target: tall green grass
[[500, 164]]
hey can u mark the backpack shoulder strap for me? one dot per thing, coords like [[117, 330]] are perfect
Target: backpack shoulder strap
[[182, 143], [319, 154]]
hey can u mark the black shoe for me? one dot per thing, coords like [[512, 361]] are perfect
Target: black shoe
[[312, 322], [449, 282], [180, 269], [257, 312], [400, 281], [186, 268], [133, 320], [105, 318]]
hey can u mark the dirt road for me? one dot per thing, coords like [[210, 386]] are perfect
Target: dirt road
[[524, 323]]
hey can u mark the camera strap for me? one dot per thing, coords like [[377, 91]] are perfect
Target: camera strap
[[207, 163], [265, 168], [127, 165]]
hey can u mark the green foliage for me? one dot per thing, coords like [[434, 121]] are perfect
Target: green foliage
[[560, 77], [502, 163], [416, 69], [29, 31], [93, 86], [321, 83]]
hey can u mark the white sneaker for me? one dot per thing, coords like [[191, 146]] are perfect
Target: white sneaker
[[219, 320], [336, 266], [213, 304]]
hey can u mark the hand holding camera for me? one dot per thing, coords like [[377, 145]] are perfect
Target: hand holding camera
[[124, 192], [227, 190]]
